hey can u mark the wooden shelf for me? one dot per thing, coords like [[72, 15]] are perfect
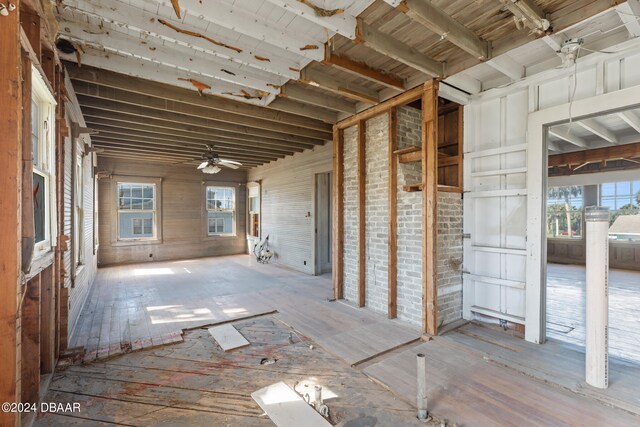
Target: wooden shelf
[[412, 188], [406, 150]]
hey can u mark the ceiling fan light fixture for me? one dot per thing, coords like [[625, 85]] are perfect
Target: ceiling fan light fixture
[[211, 169]]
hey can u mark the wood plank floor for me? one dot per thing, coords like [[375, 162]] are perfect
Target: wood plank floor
[[566, 308], [144, 305], [195, 383]]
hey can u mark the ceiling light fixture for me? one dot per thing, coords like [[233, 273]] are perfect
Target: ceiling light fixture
[[211, 169]]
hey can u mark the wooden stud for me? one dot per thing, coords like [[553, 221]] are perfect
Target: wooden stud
[[362, 70], [10, 226], [430, 207], [30, 23], [28, 231], [460, 146], [30, 344], [337, 251], [361, 173], [392, 272]]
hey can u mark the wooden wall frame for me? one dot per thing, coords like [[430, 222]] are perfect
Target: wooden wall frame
[[337, 250]]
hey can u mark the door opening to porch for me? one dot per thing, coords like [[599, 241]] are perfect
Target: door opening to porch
[[323, 223]]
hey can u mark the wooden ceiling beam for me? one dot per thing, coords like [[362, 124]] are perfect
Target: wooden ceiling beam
[[141, 111], [324, 81], [341, 21], [118, 95], [97, 122], [136, 156], [202, 132], [165, 91], [139, 141], [394, 48], [630, 119], [298, 93], [562, 132], [441, 23], [529, 13], [156, 149], [599, 130], [362, 70], [617, 152]]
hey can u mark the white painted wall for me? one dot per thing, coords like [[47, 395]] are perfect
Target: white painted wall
[[288, 194], [79, 285], [502, 257]]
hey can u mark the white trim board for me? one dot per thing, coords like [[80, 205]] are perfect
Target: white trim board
[[228, 337], [286, 408]]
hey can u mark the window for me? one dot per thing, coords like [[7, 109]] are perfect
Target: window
[[254, 209], [79, 208], [623, 201], [42, 154], [221, 214], [565, 212], [136, 211]]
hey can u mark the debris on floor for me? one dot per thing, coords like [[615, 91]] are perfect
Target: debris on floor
[[228, 337]]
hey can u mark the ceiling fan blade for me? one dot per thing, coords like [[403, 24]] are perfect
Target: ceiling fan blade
[[203, 164], [227, 165], [233, 162]]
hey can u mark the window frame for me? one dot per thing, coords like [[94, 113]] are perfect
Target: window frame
[[234, 210], [116, 240], [45, 166]]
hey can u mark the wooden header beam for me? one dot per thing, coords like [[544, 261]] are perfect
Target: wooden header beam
[[324, 81], [627, 151], [361, 70]]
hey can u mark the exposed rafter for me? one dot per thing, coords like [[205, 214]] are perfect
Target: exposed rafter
[[393, 48], [599, 130], [292, 106], [330, 102], [507, 66], [630, 119], [324, 81], [336, 20], [438, 21], [362, 70], [629, 13]]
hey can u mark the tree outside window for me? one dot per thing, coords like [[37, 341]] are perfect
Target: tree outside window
[[565, 212], [221, 214]]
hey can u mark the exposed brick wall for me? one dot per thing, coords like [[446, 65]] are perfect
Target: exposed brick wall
[[409, 230], [377, 212], [350, 214], [449, 257], [409, 221]]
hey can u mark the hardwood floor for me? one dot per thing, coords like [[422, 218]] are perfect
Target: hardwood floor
[[566, 308]]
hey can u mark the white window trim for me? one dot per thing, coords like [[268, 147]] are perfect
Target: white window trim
[[157, 223], [234, 230], [46, 101]]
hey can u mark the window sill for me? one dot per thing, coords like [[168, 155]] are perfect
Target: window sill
[[39, 263], [220, 236], [136, 242]]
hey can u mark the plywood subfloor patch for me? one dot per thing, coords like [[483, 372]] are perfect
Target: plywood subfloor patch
[[286, 408]]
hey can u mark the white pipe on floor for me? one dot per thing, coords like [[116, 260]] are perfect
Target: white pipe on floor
[[597, 269], [422, 387]]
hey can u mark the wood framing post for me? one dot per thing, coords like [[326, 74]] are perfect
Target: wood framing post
[[392, 308], [430, 207], [30, 344], [361, 173], [48, 313], [10, 223], [337, 251]]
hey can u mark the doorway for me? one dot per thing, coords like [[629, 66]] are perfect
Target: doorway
[[323, 222]]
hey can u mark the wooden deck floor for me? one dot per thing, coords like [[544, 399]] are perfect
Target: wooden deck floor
[[477, 376], [566, 308]]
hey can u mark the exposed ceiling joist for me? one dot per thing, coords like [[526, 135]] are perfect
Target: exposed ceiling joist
[[233, 17], [324, 81], [140, 111], [599, 130], [171, 55], [630, 119], [362, 70], [626, 151], [336, 20], [101, 123], [330, 102], [438, 21], [184, 141], [140, 68], [291, 106], [393, 48], [121, 96], [147, 23], [528, 12], [186, 127], [160, 90], [507, 66], [563, 133], [629, 13]]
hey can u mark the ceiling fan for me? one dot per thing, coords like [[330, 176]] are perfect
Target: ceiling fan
[[212, 162]]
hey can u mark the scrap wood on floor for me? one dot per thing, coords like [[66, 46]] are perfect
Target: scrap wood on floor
[[195, 383]]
